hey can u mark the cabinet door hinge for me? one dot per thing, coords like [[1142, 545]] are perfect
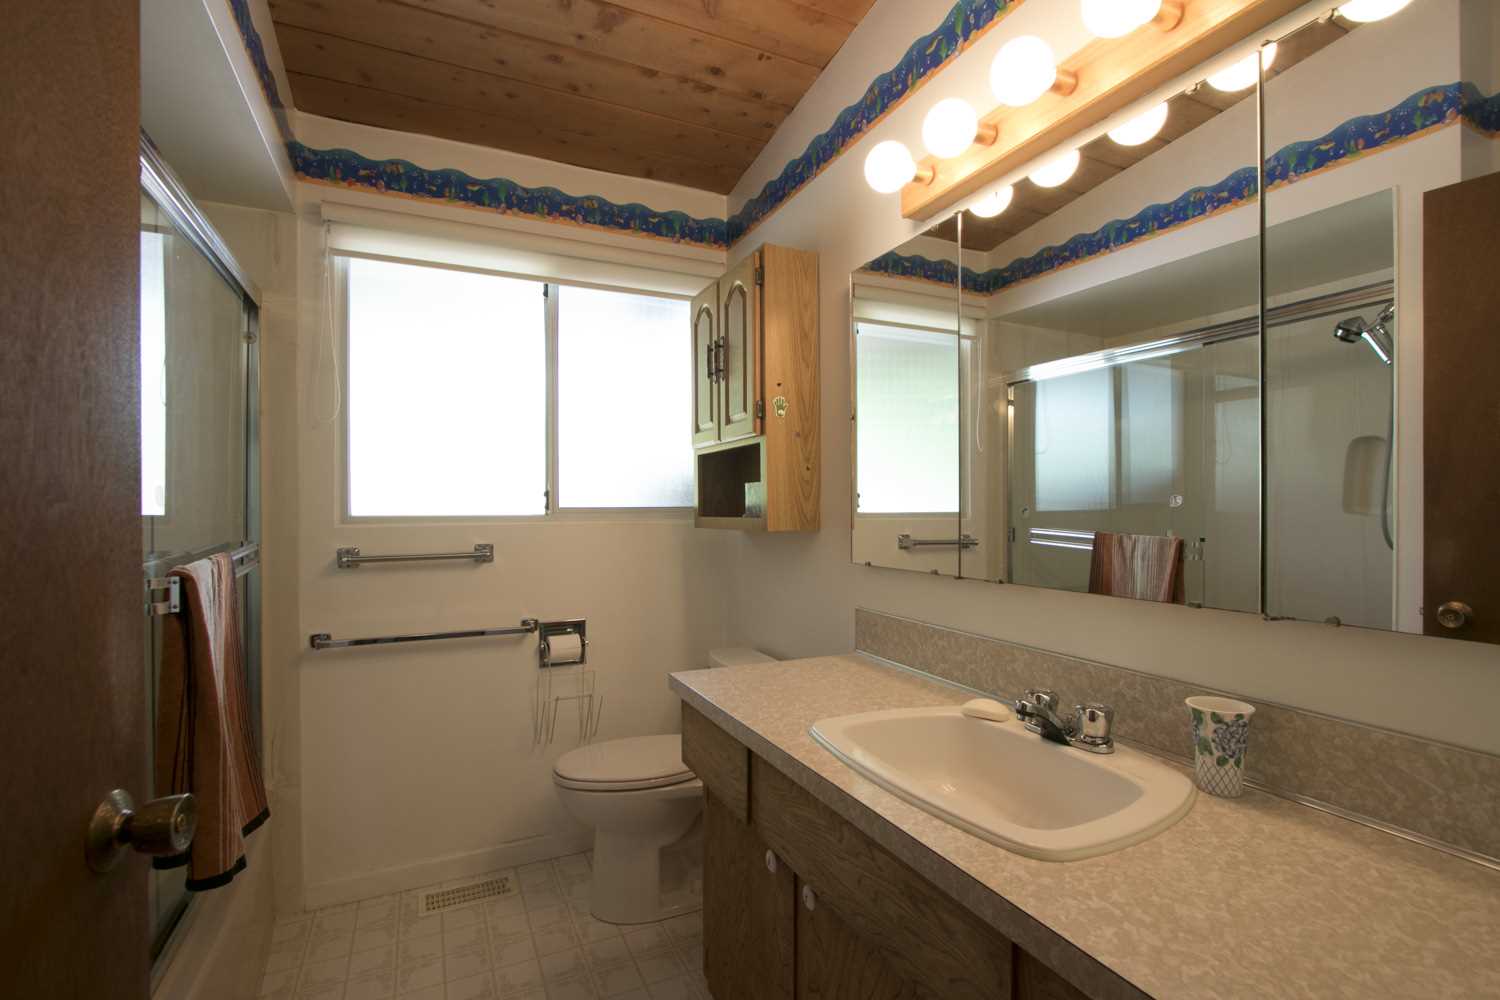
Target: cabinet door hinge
[[760, 276], [760, 409]]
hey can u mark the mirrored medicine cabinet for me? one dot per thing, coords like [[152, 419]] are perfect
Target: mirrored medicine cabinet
[[1143, 380]]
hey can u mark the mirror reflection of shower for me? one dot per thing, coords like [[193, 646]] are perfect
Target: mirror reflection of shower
[[1361, 458], [1355, 330]]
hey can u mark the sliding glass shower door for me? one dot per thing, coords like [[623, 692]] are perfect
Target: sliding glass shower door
[[199, 481]]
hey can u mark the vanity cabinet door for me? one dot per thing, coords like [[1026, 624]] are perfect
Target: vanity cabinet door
[[740, 327], [749, 912], [705, 366], [834, 963]]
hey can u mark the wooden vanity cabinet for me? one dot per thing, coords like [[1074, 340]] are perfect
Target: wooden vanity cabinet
[[798, 904], [756, 390]]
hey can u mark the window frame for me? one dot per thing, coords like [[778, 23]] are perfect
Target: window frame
[[552, 512]]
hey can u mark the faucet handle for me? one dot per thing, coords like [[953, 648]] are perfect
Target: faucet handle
[[1042, 698], [1092, 724]]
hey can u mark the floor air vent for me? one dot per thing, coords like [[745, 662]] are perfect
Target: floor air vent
[[485, 887]]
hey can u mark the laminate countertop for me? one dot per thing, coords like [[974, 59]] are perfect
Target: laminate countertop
[[1250, 897]]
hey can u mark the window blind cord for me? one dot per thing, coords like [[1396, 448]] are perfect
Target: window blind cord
[[327, 341]]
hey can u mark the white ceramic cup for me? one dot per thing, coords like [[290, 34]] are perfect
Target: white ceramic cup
[[1221, 734]]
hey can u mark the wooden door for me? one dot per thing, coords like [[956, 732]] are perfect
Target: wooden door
[[72, 712], [705, 366], [1461, 407], [749, 912], [740, 324], [834, 963]]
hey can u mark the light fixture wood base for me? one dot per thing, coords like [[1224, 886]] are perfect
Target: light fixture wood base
[[1170, 15], [1107, 76]]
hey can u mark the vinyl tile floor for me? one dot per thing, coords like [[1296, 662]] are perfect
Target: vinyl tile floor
[[540, 943]]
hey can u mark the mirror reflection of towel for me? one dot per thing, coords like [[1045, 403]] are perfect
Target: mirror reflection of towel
[[1143, 567], [204, 741]]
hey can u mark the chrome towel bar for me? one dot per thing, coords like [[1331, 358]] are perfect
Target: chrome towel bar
[[905, 541], [350, 558], [322, 640]]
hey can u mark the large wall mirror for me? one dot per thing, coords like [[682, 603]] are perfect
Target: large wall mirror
[[1169, 389], [908, 334]]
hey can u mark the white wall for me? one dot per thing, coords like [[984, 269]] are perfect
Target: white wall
[[416, 763], [795, 596]]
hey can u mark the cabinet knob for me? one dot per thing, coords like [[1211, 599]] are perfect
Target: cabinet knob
[[771, 865], [1454, 614], [809, 898]]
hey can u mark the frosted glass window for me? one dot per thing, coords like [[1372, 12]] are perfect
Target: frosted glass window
[[447, 392], [1075, 437], [624, 388], [907, 384], [1151, 402], [153, 375]]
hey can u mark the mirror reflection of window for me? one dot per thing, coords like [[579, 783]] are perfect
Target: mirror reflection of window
[[908, 433], [153, 374]]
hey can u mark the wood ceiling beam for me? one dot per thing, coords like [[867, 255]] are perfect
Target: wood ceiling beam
[[341, 60], [1112, 75], [652, 44], [782, 27], [384, 109], [434, 36]]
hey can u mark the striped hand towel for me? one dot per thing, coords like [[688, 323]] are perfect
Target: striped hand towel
[[204, 741], [1143, 567]]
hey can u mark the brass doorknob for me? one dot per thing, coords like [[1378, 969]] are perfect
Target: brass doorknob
[[162, 826], [1454, 614]]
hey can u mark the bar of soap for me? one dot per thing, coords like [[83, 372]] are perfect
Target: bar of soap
[[988, 709]]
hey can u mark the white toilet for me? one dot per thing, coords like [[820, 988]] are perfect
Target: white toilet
[[639, 797]]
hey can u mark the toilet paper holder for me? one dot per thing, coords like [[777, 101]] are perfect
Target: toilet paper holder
[[549, 630]]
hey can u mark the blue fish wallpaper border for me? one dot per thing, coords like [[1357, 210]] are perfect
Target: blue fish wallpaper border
[[1425, 111], [255, 48], [964, 24], [346, 168]]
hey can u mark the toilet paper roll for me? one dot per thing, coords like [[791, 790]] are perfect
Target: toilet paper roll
[[565, 648]]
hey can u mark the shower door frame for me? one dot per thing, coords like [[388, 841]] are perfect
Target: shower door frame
[[166, 190]]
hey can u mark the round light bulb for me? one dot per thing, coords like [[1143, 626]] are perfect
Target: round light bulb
[[1024, 70], [993, 203], [1141, 128], [1056, 171], [1370, 10], [1117, 18], [889, 167], [1242, 74], [949, 128]]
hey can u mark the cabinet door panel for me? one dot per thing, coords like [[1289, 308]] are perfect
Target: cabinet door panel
[[834, 963], [739, 316], [705, 385], [749, 912], [925, 936]]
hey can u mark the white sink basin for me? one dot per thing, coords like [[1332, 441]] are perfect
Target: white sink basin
[[1010, 786]]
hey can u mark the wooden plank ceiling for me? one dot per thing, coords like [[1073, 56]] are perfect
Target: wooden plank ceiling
[[686, 91]]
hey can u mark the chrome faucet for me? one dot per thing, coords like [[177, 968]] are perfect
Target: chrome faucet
[[1089, 729]]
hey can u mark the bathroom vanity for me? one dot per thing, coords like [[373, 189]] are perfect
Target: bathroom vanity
[[819, 883]]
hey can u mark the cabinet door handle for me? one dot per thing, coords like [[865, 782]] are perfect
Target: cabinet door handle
[[809, 898], [721, 348], [771, 864], [708, 361]]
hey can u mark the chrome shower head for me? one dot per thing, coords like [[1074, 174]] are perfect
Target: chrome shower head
[[1351, 330], [1355, 329]]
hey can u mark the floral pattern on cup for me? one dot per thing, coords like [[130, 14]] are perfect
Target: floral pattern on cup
[[1221, 735]]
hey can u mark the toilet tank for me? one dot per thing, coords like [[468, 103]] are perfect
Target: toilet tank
[[737, 656]]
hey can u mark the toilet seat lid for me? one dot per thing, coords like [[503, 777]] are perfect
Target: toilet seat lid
[[624, 765]]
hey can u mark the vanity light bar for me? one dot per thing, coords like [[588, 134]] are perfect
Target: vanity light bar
[[1111, 75]]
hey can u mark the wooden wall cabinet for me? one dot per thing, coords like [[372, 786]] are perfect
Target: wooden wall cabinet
[[798, 904], [756, 419]]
